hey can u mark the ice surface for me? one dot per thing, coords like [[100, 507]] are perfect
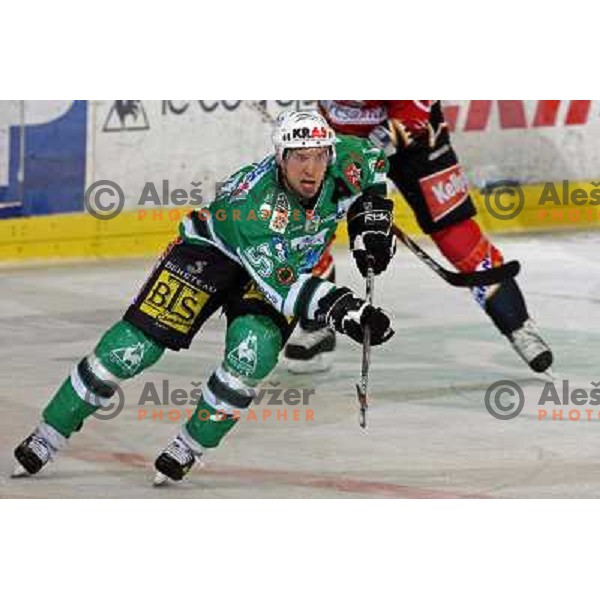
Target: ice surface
[[429, 434]]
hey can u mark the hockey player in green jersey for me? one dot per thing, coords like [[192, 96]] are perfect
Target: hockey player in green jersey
[[251, 254]]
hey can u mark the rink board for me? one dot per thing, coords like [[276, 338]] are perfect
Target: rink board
[[145, 232]]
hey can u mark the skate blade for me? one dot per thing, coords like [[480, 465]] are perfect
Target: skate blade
[[159, 479], [20, 471]]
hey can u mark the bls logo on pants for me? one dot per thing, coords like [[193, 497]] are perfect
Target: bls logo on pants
[[174, 302], [444, 191]]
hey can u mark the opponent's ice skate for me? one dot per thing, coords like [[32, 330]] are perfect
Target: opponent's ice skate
[[529, 345], [310, 350]]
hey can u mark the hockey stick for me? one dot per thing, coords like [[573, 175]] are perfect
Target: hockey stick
[[478, 278], [363, 384]]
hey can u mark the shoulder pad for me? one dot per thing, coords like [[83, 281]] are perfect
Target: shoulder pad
[[239, 185]]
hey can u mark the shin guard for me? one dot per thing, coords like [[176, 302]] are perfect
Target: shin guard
[[122, 353], [469, 250]]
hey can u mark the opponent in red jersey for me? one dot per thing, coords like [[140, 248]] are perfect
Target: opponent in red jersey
[[426, 170]]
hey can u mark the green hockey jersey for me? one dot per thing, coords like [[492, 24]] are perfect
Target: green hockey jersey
[[260, 224]]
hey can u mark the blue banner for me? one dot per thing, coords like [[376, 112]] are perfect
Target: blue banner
[[54, 166]]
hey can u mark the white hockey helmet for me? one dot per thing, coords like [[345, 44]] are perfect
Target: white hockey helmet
[[302, 129]]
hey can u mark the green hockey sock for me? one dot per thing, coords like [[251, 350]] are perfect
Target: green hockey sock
[[67, 411], [207, 426]]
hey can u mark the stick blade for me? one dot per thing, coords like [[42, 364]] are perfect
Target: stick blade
[[484, 278]]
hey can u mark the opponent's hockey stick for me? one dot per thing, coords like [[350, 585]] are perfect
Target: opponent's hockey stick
[[261, 109], [478, 278], [363, 384]]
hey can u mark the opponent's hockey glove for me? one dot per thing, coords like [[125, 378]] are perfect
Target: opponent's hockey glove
[[384, 137], [408, 125], [370, 230], [349, 314]]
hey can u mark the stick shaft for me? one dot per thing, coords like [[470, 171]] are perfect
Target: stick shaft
[[363, 385]]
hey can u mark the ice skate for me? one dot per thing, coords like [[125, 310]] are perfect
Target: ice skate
[[174, 462], [310, 350], [529, 345], [37, 450]]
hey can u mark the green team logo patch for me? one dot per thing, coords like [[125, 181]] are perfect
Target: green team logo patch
[[244, 356], [130, 357]]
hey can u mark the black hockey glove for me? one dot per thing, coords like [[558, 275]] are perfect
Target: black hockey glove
[[370, 229], [348, 314]]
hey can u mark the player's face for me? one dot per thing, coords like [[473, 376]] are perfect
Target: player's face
[[304, 170]]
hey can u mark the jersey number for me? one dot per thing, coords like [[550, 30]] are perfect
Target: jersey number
[[260, 259]]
